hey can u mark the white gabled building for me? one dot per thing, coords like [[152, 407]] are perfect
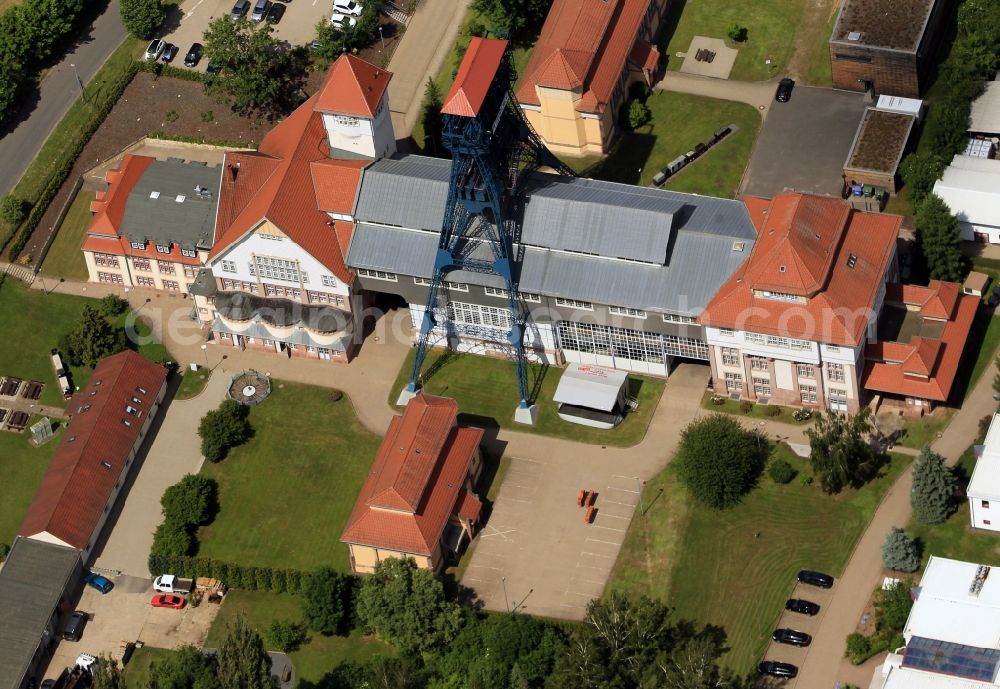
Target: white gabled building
[[971, 189], [984, 487]]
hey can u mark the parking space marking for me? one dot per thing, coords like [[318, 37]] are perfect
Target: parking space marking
[[567, 592], [613, 516], [191, 11], [610, 557], [591, 581], [626, 504], [609, 528], [599, 569], [597, 540], [496, 532], [570, 605], [484, 567], [526, 502]]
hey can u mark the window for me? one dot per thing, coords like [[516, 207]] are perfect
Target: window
[[346, 121], [502, 294], [734, 382], [163, 248], [277, 269], [762, 386], [136, 400], [807, 393], [835, 372], [141, 390], [832, 348], [625, 311], [477, 314], [586, 305], [675, 318], [126, 422], [110, 278], [106, 260], [801, 345], [730, 356], [106, 464], [758, 363], [190, 253], [142, 264], [456, 286], [129, 409], [138, 245], [228, 266], [986, 522], [190, 272], [804, 371], [282, 291], [377, 275], [852, 58], [83, 408], [426, 282], [325, 298], [144, 281], [328, 280], [171, 285], [986, 504], [725, 332], [166, 268], [754, 338], [626, 343], [778, 296]]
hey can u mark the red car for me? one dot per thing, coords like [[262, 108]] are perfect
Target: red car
[[165, 600]]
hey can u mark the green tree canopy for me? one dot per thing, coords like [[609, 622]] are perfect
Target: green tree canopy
[[94, 338], [933, 494], [939, 238], [192, 501], [142, 18], [892, 607], [839, 450], [900, 551], [919, 172], [407, 606], [223, 428], [719, 460], [105, 674], [242, 660], [433, 120], [326, 598], [186, 668], [512, 16]]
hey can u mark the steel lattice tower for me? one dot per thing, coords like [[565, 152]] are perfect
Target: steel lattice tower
[[493, 149]]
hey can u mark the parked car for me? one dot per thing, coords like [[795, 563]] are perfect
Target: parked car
[[276, 12], [169, 53], [807, 576], [792, 637], [801, 606], [193, 56], [74, 626], [348, 7], [260, 9], [102, 584], [240, 8], [342, 21], [155, 49], [84, 661], [167, 600], [784, 91], [169, 583], [775, 668]]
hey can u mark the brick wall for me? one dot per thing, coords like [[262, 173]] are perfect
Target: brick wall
[[892, 72], [879, 179]]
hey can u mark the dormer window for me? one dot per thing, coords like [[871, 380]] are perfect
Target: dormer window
[[131, 410], [138, 245], [84, 408], [163, 248], [140, 390], [345, 121], [106, 465], [190, 253]]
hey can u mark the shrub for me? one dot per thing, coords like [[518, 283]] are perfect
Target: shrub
[[737, 33], [11, 209], [900, 552], [141, 18], [278, 581], [326, 600], [263, 578], [207, 116], [802, 414], [286, 636], [171, 539], [859, 648], [772, 411], [171, 116], [293, 581], [719, 460], [223, 428], [192, 501], [113, 305], [638, 114], [718, 400], [933, 493], [746, 406], [781, 471]]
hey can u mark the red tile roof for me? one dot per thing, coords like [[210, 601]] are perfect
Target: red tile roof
[[121, 246], [109, 206], [276, 184], [336, 183], [470, 506], [353, 87], [584, 44], [842, 268], [417, 480], [78, 484], [923, 368], [645, 55], [936, 301], [475, 75]]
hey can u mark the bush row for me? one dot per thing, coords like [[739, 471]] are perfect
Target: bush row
[[62, 168], [224, 143], [232, 575], [165, 70]]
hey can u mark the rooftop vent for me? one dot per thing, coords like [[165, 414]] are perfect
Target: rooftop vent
[[738, 246], [854, 36], [852, 260], [180, 198], [781, 269], [982, 571], [154, 194], [106, 465]]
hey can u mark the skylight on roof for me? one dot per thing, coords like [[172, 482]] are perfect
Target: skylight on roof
[[951, 659], [180, 198], [154, 194], [852, 260]]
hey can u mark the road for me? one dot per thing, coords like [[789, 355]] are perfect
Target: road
[[59, 89]]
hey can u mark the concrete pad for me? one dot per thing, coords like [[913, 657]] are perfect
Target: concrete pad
[[719, 68], [803, 143]]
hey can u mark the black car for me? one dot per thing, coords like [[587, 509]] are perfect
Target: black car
[[784, 91], [74, 626], [777, 669], [193, 56], [169, 53], [807, 576], [803, 607], [276, 12], [792, 637]]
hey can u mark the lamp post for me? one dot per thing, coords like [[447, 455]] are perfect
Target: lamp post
[[506, 601], [381, 37], [83, 91], [638, 485], [640, 177], [204, 348]]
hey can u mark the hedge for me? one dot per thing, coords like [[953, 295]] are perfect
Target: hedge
[[232, 575], [161, 69], [224, 143]]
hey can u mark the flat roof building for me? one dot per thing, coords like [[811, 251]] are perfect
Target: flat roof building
[[878, 148], [983, 491], [984, 119], [971, 189]]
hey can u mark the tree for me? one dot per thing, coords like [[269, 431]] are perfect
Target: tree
[[919, 172], [94, 338], [326, 600], [933, 493], [105, 674], [512, 16], [692, 665], [839, 451], [892, 607], [242, 660], [223, 428], [780, 471], [172, 539], [257, 71], [113, 305], [192, 501], [939, 238], [185, 668], [737, 33], [11, 209], [407, 606], [900, 552], [142, 17], [719, 460], [286, 636], [638, 114], [432, 120]]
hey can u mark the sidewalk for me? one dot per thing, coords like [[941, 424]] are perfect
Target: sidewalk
[[759, 94], [424, 47]]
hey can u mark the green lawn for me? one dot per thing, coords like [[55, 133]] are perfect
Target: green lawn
[[64, 258], [486, 392], [982, 343], [820, 72], [720, 571], [137, 671], [22, 467], [757, 411], [192, 383], [679, 121], [286, 494], [770, 28], [319, 656], [924, 431]]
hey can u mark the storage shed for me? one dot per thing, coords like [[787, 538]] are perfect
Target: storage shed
[[592, 395]]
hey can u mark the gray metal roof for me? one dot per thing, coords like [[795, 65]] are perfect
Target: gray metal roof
[[32, 582], [165, 220], [680, 246]]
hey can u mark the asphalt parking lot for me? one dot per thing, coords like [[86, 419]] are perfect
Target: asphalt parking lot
[[186, 24], [125, 614], [803, 623], [804, 143]]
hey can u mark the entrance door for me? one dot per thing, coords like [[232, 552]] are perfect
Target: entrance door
[[324, 353], [982, 237]]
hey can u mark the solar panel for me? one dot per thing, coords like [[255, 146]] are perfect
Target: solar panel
[[951, 659]]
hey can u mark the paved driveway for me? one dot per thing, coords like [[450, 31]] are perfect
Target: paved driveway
[[792, 620], [175, 451], [536, 554], [803, 143]]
